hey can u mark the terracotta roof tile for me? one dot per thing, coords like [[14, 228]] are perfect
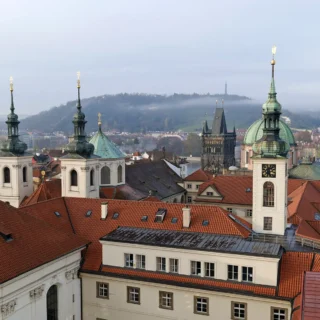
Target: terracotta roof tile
[[293, 265], [310, 306], [171, 278], [35, 242], [199, 175]]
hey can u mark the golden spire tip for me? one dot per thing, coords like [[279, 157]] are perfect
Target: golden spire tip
[[11, 83], [78, 81]]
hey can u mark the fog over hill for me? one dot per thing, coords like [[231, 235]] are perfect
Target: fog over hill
[[143, 112]]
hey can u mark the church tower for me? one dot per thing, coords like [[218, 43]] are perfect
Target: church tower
[[218, 144], [270, 178], [15, 164], [79, 167]]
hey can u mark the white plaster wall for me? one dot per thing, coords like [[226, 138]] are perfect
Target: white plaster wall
[[265, 270], [279, 211], [15, 191], [61, 272], [113, 165], [117, 308], [83, 168]]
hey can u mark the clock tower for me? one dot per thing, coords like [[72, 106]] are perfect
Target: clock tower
[[270, 178]]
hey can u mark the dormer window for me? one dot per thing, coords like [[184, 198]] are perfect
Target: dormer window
[[209, 193], [160, 214]]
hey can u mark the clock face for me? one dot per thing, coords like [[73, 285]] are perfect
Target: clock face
[[268, 171]]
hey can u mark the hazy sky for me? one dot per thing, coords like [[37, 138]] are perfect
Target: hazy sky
[[158, 46]]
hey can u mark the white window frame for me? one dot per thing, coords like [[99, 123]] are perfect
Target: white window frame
[[194, 268], [202, 301], [277, 313], [207, 267], [103, 290], [166, 300], [128, 262], [238, 306], [249, 213], [189, 186], [133, 292], [174, 265], [245, 270], [233, 272], [140, 261], [161, 261]]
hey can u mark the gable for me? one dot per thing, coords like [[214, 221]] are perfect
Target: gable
[[211, 191]]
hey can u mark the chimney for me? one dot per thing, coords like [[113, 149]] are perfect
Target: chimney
[[104, 210], [186, 213]]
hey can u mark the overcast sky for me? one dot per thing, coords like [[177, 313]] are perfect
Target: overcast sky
[[158, 46]]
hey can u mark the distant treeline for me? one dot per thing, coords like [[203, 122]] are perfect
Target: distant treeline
[[147, 112]]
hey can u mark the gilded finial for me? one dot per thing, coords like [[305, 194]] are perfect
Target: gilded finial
[[11, 83], [99, 119], [78, 81], [273, 50]]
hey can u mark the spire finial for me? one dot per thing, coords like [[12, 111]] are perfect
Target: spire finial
[[273, 61], [78, 86], [11, 90], [99, 120]]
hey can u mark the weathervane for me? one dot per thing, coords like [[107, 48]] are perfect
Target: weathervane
[[273, 61]]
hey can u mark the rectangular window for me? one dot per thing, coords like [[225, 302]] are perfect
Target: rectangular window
[[128, 260], [196, 268], [140, 261], [209, 193], [197, 186], [174, 265], [166, 300], [102, 290], [189, 199], [232, 272], [189, 186], [249, 213], [133, 295], [238, 310], [279, 314], [267, 223], [209, 269], [201, 305], [161, 264], [247, 274], [229, 210], [247, 157], [73, 298]]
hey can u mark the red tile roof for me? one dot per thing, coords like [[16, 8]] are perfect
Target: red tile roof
[[293, 265], [47, 190], [199, 175], [178, 279], [152, 199], [35, 242], [310, 306]]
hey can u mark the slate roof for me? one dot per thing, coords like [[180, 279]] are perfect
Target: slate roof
[[34, 242], [104, 147], [153, 176], [193, 241]]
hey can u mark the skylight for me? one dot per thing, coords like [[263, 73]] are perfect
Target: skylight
[[144, 218], [317, 216], [57, 214], [174, 220], [248, 190], [205, 222], [88, 214], [115, 215]]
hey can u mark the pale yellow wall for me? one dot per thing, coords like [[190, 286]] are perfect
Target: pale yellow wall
[[117, 308], [265, 270]]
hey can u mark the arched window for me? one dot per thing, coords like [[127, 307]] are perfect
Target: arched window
[[92, 177], [119, 173], [74, 178], [52, 303], [268, 194], [24, 174], [6, 175], [105, 175]]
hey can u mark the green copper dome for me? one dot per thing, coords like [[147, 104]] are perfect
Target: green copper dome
[[104, 147], [255, 133]]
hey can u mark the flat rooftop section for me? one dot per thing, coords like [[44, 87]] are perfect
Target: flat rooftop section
[[194, 241], [311, 296]]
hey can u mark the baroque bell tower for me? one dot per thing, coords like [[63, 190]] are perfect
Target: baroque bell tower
[[270, 177], [79, 167], [15, 163]]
